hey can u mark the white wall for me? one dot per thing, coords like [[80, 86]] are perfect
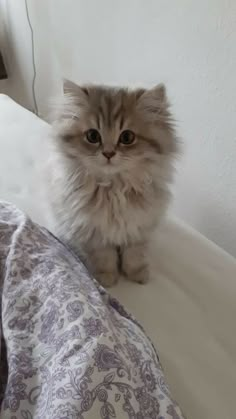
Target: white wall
[[188, 44]]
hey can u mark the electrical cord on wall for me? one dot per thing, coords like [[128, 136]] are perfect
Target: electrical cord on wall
[[33, 58]]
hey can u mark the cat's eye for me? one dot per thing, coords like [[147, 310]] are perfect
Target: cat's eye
[[127, 137], [93, 136]]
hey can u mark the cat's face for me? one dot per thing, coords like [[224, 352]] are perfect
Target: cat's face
[[114, 131]]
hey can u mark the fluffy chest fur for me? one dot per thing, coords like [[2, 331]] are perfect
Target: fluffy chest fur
[[116, 211]]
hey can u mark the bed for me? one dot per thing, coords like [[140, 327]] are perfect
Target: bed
[[189, 307]]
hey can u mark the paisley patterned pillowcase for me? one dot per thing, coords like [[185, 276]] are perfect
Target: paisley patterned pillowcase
[[68, 350]]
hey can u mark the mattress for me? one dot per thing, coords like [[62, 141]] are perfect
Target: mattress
[[189, 306]]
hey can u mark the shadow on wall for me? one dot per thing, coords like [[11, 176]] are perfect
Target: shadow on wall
[[218, 224], [16, 51]]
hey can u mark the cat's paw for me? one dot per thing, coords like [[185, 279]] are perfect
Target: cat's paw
[[141, 276], [106, 279]]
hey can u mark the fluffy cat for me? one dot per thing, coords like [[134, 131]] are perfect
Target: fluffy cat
[[110, 170]]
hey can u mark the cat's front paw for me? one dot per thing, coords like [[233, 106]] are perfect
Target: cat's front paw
[[106, 279], [141, 275]]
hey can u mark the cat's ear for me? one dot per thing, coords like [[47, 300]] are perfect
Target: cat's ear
[[139, 92], [159, 92], [69, 86], [154, 100], [75, 99], [73, 89]]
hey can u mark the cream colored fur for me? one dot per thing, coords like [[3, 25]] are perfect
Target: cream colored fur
[[106, 209]]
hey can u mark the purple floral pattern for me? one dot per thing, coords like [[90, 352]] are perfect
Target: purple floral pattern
[[68, 350]]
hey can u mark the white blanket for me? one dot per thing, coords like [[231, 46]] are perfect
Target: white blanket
[[189, 307]]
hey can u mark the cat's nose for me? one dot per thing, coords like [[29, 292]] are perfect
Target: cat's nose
[[109, 154]]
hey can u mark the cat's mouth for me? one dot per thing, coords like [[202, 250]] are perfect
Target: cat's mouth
[[110, 167], [109, 163]]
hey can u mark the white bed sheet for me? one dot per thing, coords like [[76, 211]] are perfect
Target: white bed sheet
[[189, 306]]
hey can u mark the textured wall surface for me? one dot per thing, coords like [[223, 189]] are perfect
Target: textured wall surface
[[188, 44]]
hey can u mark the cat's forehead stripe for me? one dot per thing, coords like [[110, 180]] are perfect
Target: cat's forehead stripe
[[101, 112], [117, 112], [121, 122], [111, 110], [108, 111], [98, 121]]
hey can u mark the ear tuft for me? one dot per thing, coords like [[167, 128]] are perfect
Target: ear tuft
[[69, 86], [139, 92], [160, 92], [72, 89], [154, 100]]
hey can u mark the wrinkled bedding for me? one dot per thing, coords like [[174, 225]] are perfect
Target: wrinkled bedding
[[68, 349]]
